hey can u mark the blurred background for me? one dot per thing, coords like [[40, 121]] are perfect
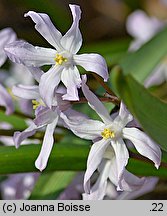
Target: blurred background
[[101, 19]]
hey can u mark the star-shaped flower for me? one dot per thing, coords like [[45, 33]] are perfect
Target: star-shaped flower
[[110, 133], [45, 117], [106, 181], [62, 58]]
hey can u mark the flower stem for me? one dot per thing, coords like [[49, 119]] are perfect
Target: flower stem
[[84, 100], [110, 93]]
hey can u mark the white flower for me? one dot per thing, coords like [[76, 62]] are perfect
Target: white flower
[[7, 35], [110, 132], [45, 117], [63, 57], [142, 28], [104, 186], [6, 100]]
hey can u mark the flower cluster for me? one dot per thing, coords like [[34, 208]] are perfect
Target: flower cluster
[[51, 99]]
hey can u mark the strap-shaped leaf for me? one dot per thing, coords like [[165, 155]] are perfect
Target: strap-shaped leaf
[[141, 63], [149, 110]]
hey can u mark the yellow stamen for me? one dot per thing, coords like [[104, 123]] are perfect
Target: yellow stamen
[[36, 104], [60, 59], [107, 133]]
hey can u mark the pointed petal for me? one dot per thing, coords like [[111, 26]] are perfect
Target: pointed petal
[[48, 82], [6, 100], [45, 116], [94, 63], [72, 40], [144, 145], [95, 103], [46, 28], [83, 127], [75, 115], [124, 116], [140, 187], [24, 53], [47, 145], [113, 171], [98, 190], [132, 183], [122, 156], [36, 73], [26, 92], [20, 136], [71, 79], [95, 157], [7, 36]]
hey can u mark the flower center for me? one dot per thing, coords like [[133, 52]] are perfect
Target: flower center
[[107, 133], [36, 104], [60, 59]]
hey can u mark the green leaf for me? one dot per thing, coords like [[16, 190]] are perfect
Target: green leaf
[[17, 122], [106, 47], [141, 168], [50, 185], [64, 156], [141, 63], [149, 110]]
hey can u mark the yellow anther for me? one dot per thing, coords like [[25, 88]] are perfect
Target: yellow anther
[[36, 104], [60, 59], [107, 133]]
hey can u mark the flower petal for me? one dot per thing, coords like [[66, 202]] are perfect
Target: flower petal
[[7, 36], [47, 145], [144, 145], [83, 127], [158, 76], [94, 159], [48, 82], [93, 62], [124, 117], [6, 100], [139, 187], [95, 103], [71, 79], [72, 40], [36, 73], [26, 92], [20, 136], [24, 53], [46, 28], [45, 116], [141, 26], [122, 156], [98, 190]]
